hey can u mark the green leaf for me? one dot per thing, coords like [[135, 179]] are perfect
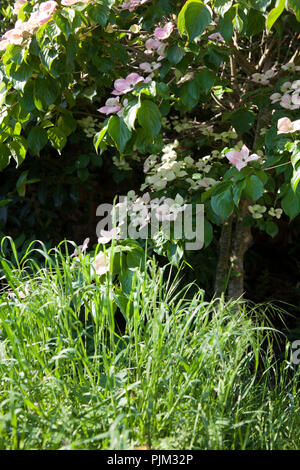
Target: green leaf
[[225, 24], [275, 13], [98, 138], [143, 141], [4, 156], [119, 132], [45, 92], [208, 233], [175, 54], [242, 120], [57, 138], [295, 159], [22, 179], [261, 5], [295, 179], [14, 54], [189, 94], [237, 191], [238, 22], [193, 18], [254, 187], [149, 118], [135, 258], [290, 203], [130, 113], [98, 13], [271, 228], [295, 6], [37, 139], [255, 22], [66, 122], [222, 6], [18, 149], [222, 203], [63, 24], [205, 79], [26, 100], [175, 254], [48, 55], [4, 202], [21, 75]]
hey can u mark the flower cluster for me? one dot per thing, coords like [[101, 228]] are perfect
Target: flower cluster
[[121, 164], [139, 211], [257, 211], [122, 86], [289, 98], [88, 125], [275, 212], [167, 168], [155, 45], [24, 29]]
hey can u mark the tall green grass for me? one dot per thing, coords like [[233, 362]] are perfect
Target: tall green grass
[[182, 373]]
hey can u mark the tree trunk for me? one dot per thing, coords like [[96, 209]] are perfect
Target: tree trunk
[[234, 242], [223, 261], [241, 241]]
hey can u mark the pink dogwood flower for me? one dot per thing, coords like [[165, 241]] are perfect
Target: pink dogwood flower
[[263, 78], [102, 263], [164, 33], [287, 103], [239, 159], [81, 248], [4, 43], [112, 105], [216, 37], [286, 126], [69, 3], [43, 14], [107, 235], [149, 68], [296, 98], [275, 97], [18, 5], [152, 44], [125, 85], [132, 4], [14, 36]]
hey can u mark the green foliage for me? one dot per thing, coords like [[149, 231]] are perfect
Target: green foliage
[[203, 84]]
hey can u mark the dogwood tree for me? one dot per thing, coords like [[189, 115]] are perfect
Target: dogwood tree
[[202, 96]]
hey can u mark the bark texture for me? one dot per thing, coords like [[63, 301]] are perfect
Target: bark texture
[[223, 260], [241, 241]]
